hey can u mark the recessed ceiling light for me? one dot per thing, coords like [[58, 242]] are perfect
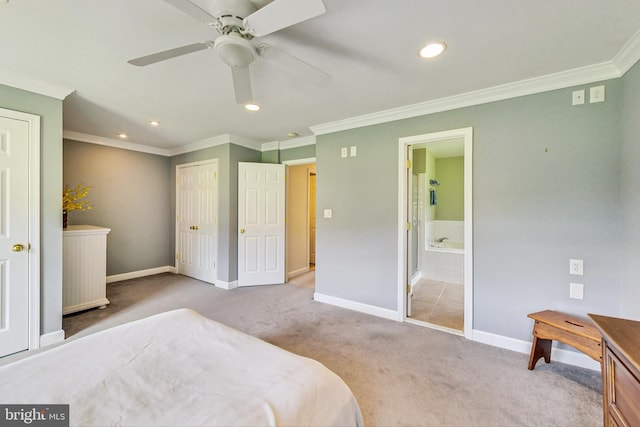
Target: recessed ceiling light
[[432, 50], [154, 123], [252, 107], [292, 134], [122, 135]]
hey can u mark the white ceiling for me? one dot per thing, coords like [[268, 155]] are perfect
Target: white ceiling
[[369, 47]]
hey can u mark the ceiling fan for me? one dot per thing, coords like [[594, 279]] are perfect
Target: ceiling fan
[[239, 22]]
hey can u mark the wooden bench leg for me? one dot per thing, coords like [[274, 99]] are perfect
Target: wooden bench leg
[[539, 348]]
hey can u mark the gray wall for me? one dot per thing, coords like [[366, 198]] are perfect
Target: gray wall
[[228, 156], [630, 195], [546, 189], [130, 195], [50, 112]]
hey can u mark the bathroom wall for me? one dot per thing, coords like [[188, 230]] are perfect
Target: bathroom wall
[[450, 174]]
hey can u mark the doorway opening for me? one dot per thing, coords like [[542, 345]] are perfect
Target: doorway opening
[[435, 284], [301, 221]]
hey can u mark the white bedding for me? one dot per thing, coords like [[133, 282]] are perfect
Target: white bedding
[[176, 369]]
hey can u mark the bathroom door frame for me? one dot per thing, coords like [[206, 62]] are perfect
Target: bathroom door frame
[[403, 256]]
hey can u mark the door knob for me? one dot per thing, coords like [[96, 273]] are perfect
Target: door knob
[[242, 230], [17, 247]]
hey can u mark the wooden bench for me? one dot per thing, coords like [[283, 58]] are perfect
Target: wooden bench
[[552, 325]]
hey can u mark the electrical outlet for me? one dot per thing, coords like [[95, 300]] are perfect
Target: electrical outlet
[[578, 97], [343, 152], [596, 94], [576, 267], [576, 291], [353, 151], [328, 213]]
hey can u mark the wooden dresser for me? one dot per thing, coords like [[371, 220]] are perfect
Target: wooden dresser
[[620, 370]]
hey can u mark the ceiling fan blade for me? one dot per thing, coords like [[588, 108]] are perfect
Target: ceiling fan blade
[[191, 9], [171, 53], [242, 84], [294, 66], [280, 14]]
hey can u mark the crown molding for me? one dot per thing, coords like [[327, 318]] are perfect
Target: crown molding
[[115, 143], [577, 76], [298, 142], [629, 54], [25, 83], [270, 146], [290, 143], [226, 138]]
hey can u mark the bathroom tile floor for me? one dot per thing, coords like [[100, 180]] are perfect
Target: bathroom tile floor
[[440, 303]]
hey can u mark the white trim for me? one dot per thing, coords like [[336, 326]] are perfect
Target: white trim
[[298, 142], [629, 54], [226, 285], [270, 146], [563, 79], [358, 306], [558, 354], [25, 83], [296, 162], [34, 228], [115, 143], [140, 273], [215, 141], [51, 338], [403, 143]]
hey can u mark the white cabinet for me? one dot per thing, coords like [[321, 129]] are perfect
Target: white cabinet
[[84, 268]]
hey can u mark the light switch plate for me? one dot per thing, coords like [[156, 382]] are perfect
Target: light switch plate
[[328, 213], [343, 152], [576, 290], [353, 151]]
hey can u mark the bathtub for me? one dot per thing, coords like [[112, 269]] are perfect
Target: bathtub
[[444, 261], [447, 246]]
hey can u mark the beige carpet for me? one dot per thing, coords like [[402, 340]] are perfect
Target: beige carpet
[[401, 374], [440, 303]]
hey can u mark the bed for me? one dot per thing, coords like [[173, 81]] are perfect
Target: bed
[[177, 369]]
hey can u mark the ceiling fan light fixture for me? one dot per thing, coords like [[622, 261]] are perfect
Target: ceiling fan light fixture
[[234, 50], [432, 50], [251, 106]]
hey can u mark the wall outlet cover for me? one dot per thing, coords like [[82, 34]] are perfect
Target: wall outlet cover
[[576, 267], [578, 97], [596, 94]]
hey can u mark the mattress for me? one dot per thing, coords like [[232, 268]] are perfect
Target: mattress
[[180, 369]]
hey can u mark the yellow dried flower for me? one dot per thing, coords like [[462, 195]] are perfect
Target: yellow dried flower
[[71, 198]]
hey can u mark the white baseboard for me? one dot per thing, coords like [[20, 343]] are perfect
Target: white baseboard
[[141, 273], [226, 285], [358, 306], [298, 272], [415, 278], [51, 338], [521, 346]]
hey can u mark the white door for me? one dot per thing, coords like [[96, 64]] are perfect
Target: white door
[[14, 235], [197, 220], [261, 231]]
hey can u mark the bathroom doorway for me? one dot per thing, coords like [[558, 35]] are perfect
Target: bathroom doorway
[[301, 220], [436, 230]]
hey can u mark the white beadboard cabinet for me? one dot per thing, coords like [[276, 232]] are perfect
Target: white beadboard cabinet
[[84, 268]]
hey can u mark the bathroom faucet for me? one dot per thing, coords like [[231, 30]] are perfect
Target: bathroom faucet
[[442, 239]]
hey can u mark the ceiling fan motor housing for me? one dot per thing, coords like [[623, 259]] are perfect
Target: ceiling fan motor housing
[[234, 50]]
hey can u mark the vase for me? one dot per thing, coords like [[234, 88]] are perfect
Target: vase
[[64, 219]]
